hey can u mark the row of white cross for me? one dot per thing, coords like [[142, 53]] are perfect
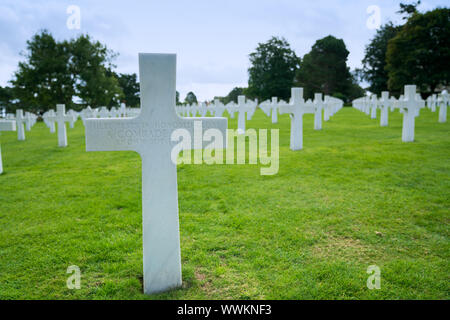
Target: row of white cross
[[296, 107], [409, 104], [149, 134]]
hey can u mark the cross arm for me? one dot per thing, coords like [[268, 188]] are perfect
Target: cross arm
[[115, 134]]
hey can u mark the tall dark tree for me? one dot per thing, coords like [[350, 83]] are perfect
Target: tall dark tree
[[57, 72], [324, 69], [130, 88], [420, 52], [190, 98], [374, 62], [233, 95], [91, 66], [272, 70], [7, 99], [408, 9], [43, 79]]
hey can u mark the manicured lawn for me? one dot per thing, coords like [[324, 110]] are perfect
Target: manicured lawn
[[355, 196]]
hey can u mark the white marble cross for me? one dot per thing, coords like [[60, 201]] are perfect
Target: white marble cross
[[318, 107], [410, 107], [296, 108], [122, 110], [373, 107], [149, 134], [327, 109], [50, 119], [28, 121], [245, 109], [384, 104], [61, 119], [218, 108], [443, 102], [20, 121], [73, 116], [104, 112], [270, 108], [6, 125]]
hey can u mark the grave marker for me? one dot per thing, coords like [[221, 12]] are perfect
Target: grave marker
[[318, 107], [6, 125], [61, 119], [384, 106], [409, 106], [149, 134], [296, 108], [20, 121]]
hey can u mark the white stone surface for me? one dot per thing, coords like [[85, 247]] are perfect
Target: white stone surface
[[149, 134], [373, 107], [296, 108], [246, 109], [384, 104], [61, 119], [6, 125], [50, 120], [20, 122], [409, 107], [318, 107], [443, 106]]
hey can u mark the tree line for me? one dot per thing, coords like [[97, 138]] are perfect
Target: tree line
[[80, 72], [77, 72], [416, 52]]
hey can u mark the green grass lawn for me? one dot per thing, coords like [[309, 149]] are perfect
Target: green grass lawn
[[355, 196]]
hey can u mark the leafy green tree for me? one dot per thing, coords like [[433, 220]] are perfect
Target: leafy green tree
[[324, 69], [130, 87], [272, 71], [374, 62], [59, 72], [420, 52], [43, 79], [7, 99], [190, 98], [91, 67], [408, 9], [177, 98], [232, 95]]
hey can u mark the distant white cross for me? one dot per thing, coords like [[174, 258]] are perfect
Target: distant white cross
[[218, 108], [149, 134], [20, 121], [50, 119], [61, 119], [410, 106], [296, 108], [245, 109], [443, 102], [28, 121], [318, 107], [373, 107], [6, 125], [384, 103], [270, 108]]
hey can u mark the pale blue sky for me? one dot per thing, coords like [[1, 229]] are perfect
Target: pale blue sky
[[212, 39]]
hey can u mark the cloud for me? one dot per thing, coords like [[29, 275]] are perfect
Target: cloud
[[212, 39]]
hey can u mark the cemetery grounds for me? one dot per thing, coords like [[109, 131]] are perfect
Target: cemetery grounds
[[355, 196]]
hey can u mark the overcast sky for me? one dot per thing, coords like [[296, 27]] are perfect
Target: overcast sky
[[212, 38]]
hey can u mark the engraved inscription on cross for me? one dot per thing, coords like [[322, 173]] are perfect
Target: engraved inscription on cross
[[149, 134]]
